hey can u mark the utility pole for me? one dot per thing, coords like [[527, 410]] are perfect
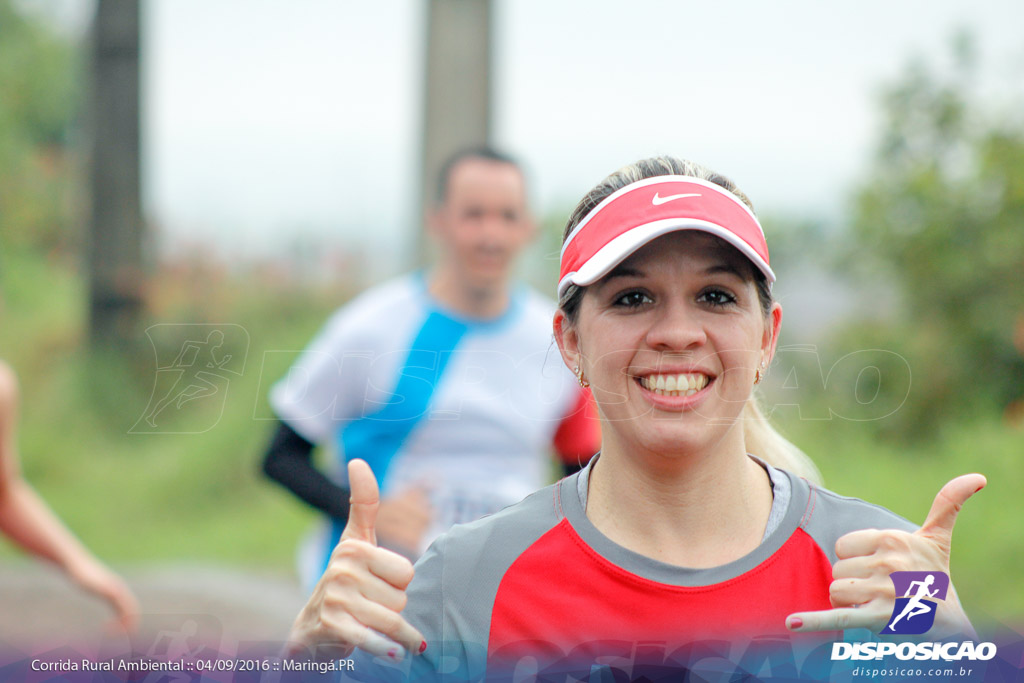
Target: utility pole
[[457, 98], [115, 221]]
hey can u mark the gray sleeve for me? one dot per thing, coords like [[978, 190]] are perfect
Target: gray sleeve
[[436, 607], [829, 516], [426, 610], [451, 597]]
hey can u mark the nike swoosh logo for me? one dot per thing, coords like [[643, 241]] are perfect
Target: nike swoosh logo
[[658, 201]]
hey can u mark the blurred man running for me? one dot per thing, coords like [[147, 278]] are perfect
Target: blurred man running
[[445, 381]]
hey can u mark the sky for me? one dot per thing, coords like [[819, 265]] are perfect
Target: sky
[[267, 123]]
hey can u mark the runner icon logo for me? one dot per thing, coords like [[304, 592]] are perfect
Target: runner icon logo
[[195, 364], [917, 596]]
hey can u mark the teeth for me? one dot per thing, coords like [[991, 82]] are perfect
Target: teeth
[[675, 385]]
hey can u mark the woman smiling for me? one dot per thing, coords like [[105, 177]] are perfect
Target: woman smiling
[[689, 524]]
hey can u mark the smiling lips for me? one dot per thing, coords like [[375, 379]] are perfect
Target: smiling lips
[[684, 384]]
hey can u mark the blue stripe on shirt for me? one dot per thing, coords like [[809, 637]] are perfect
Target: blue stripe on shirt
[[377, 438]]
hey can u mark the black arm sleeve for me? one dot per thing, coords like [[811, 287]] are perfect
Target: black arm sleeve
[[289, 461]]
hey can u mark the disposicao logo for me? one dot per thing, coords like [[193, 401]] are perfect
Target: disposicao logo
[[917, 596]]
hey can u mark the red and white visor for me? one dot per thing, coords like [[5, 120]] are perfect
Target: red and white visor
[[638, 213]]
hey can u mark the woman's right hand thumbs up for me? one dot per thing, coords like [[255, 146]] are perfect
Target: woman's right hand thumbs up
[[358, 600]]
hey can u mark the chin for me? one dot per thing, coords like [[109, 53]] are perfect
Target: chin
[[681, 441], [487, 279], [671, 443]]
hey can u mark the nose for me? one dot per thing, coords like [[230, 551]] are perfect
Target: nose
[[676, 327], [496, 225], [491, 227]]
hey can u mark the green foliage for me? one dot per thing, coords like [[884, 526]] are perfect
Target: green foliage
[[143, 497], [39, 96], [940, 218]]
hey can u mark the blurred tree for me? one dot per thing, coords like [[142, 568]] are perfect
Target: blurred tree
[[941, 216], [116, 275], [457, 91], [38, 107]]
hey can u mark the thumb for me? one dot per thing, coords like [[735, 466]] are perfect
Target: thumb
[[941, 518], [363, 503]]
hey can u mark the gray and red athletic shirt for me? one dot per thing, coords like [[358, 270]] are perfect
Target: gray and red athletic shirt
[[538, 580]]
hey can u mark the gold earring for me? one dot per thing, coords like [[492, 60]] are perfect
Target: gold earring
[[579, 377], [757, 375]]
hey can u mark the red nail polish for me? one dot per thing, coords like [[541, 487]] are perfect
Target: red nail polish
[[796, 622], [423, 647], [393, 653]]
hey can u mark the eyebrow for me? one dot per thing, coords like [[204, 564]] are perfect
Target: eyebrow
[[623, 271], [724, 266]]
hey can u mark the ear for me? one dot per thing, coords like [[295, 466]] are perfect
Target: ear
[[567, 338], [435, 220], [531, 227], [773, 326]]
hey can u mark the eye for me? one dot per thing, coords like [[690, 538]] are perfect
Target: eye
[[633, 299], [716, 297]]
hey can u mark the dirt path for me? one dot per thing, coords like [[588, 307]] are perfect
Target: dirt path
[[40, 609]]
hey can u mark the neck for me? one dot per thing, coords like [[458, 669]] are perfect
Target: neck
[[453, 291], [691, 511]]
